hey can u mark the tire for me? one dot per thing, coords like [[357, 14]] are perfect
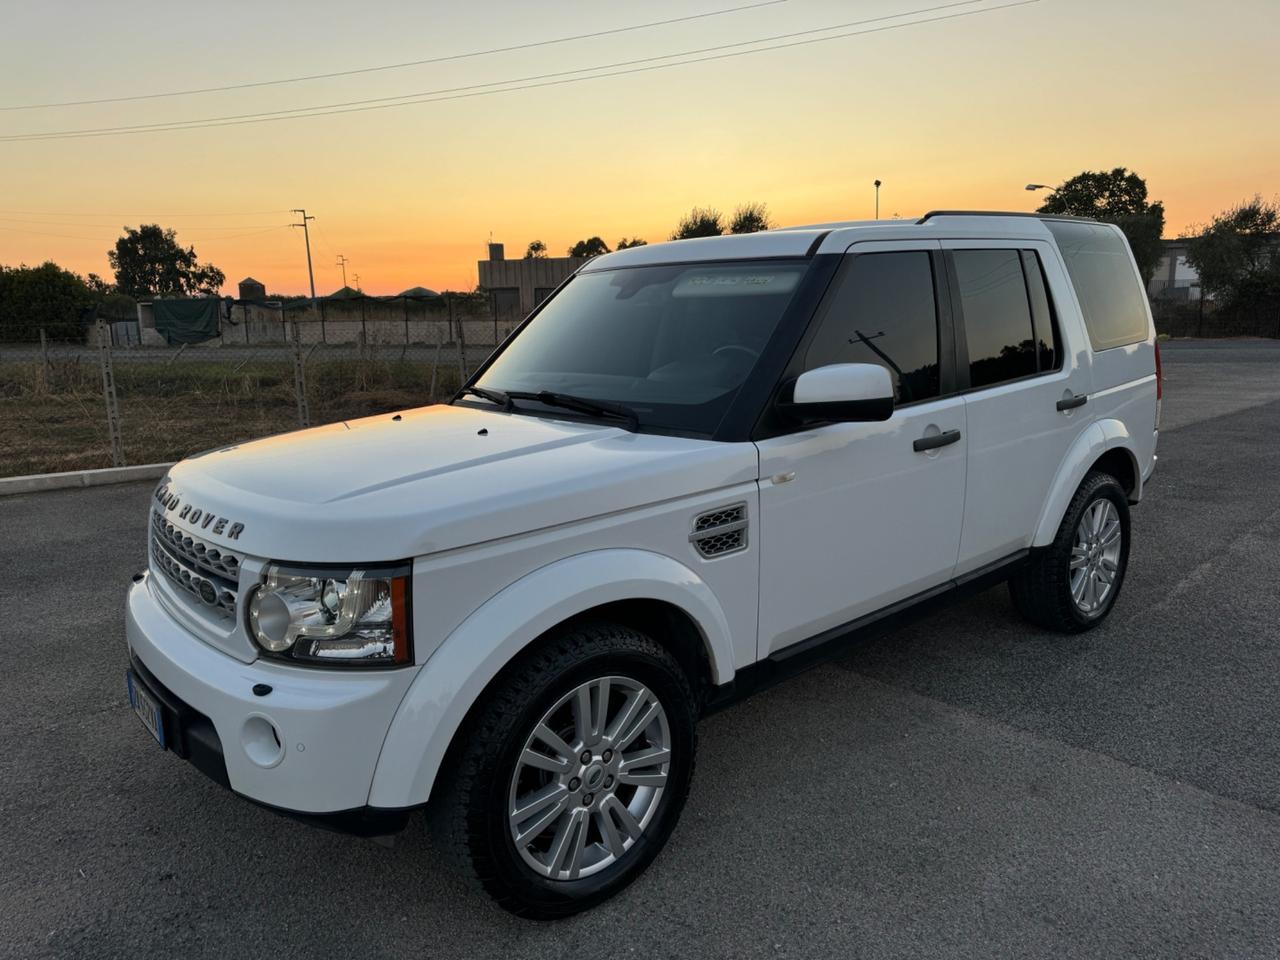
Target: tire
[[1042, 590], [488, 774]]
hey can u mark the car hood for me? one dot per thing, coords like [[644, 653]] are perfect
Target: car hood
[[403, 485]]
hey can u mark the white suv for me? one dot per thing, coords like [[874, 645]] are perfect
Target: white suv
[[697, 467]]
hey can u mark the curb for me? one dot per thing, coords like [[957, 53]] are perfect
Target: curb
[[38, 482]]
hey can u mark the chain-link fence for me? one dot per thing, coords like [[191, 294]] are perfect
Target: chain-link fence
[[116, 393], [1205, 318], [116, 396]]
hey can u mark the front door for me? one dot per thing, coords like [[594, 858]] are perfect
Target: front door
[[852, 516]]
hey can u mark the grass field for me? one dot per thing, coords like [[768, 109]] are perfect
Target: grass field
[[53, 418]]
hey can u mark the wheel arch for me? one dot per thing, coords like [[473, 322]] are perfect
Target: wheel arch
[[645, 590], [1106, 445]]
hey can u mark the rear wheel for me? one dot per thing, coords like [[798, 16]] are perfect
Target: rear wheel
[[1072, 584], [573, 775]]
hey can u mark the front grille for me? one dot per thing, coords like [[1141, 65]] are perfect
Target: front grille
[[206, 572], [196, 553], [721, 531]]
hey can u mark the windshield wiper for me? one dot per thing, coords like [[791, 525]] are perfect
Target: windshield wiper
[[493, 396], [595, 408]]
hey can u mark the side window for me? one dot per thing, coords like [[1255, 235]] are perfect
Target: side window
[[1101, 269], [1043, 318], [883, 311], [997, 315]]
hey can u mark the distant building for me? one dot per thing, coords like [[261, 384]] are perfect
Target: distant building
[[1174, 279], [251, 289], [515, 287]]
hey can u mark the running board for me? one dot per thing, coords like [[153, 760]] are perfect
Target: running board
[[831, 644]]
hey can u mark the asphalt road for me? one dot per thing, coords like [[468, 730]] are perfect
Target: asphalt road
[[967, 787]]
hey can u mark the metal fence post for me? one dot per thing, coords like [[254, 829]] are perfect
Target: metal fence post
[[44, 359], [109, 393], [462, 354], [435, 362], [300, 378]]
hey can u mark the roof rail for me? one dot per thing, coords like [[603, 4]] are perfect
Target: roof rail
[[1004, 213]]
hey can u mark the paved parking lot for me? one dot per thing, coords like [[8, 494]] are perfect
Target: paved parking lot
[[967, 787]]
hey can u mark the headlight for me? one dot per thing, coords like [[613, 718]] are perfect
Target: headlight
[[338, 617]]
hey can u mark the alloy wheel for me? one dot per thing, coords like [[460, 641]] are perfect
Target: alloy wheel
[[1095, 556], [589, 778]]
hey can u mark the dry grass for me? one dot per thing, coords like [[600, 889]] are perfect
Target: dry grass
[[54, 419]]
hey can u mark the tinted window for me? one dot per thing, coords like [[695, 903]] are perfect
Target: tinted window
[[883, 311], [1043, 318], [997, 315], [672, 343], [1101, 270]]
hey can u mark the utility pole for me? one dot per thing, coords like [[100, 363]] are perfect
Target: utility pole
[[877, 199], [307, 235], [342, 262], [357, 279], [299, 362]]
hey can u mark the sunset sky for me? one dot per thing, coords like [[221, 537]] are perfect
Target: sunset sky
[[955, 113]]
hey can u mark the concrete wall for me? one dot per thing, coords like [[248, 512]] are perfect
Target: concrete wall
[[346, 321]]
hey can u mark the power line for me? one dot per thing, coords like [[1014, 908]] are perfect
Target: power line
[[65, 236], [75, 223], [391, 66], [251, 233], [444, 92], [516, 84], [108, 240], [135, 216]]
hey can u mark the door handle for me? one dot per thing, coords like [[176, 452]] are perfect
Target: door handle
[[1070, 403], [946, 438]]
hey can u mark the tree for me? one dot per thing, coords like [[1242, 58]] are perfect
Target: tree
[[626, 244], [750, 218], [149, 262], [98, 286], [47, 296], [1117, 196], [537, 250], [700, 222], [591, 247], [1238, 255]]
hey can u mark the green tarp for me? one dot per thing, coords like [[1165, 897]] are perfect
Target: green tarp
[[186, 321]]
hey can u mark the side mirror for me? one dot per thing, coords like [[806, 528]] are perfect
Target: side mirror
[[841, 392]]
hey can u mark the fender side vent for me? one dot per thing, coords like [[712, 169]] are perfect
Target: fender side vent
[[720, 531]]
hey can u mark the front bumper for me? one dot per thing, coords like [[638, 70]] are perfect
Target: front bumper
[[306, 747]]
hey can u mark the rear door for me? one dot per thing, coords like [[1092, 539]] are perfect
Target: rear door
[[1025, 378], [1117, 319], [852, 517]]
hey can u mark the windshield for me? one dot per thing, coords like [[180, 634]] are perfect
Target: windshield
[[672, 343]]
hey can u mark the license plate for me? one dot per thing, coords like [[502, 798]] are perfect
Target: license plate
[[146, 707]]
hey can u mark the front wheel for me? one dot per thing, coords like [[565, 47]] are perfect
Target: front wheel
[[1071, 585], [572, 776]]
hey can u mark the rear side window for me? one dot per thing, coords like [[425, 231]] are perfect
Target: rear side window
[[1102, 272], [997, 315], [1043, 318], [884, 311]]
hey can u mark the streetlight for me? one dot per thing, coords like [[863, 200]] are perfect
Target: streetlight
[[877, 199], [1038, 186]]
